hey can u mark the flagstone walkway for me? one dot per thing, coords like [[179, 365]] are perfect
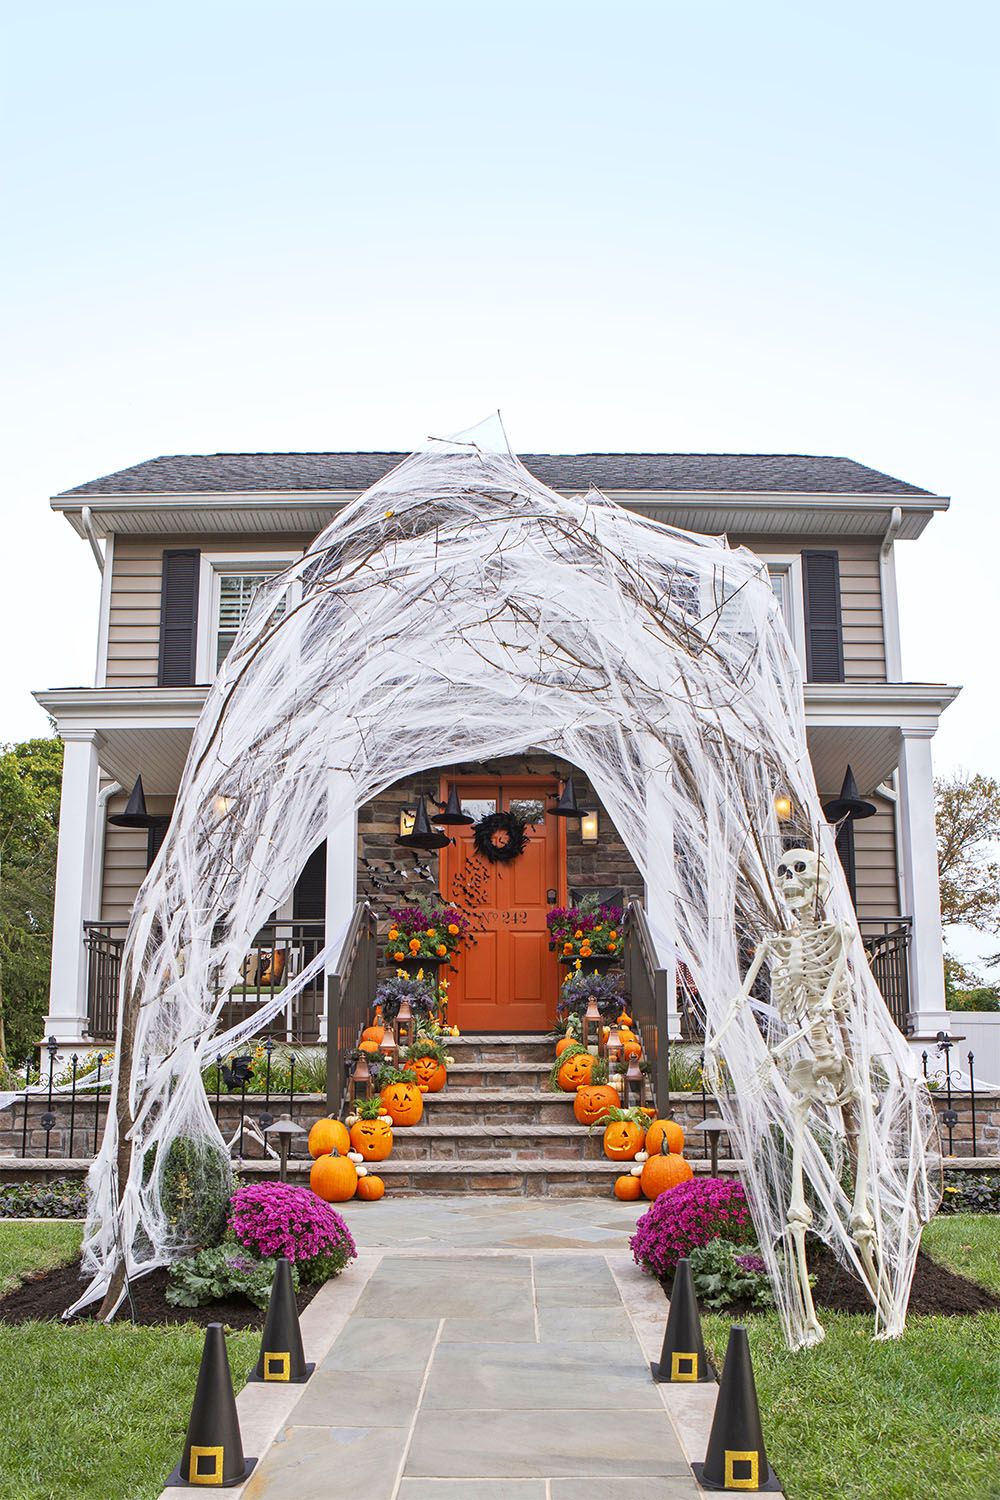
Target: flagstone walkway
[[481, 1349]]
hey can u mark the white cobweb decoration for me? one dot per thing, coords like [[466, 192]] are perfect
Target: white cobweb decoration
[[460, 610]]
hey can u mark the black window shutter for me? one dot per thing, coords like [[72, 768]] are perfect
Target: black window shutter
[[824, 635], [179, 617], [309, 896], [154, 838], [845, 848]]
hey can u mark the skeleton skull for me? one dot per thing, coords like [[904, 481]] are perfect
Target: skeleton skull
[[802, 879]]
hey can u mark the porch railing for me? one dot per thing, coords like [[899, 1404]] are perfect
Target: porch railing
[[887, 943], [646, 984], [350, 990], [280, 950]]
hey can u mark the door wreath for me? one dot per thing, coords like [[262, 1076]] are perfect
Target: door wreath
[[500, 837]]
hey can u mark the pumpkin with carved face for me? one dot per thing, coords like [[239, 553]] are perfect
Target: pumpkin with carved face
[[373, 1138], [431, 1074], [575, 1069], [592, 1101], [623, 1139], [404, 1102]]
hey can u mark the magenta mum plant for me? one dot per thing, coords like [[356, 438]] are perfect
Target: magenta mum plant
[[689, 1215], [272, 1218]]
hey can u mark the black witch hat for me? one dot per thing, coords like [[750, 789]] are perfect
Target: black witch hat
[[453, 811], [135, 814], [850, 804], [567, 806], [423, 835]]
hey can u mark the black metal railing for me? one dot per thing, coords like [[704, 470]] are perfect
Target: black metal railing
[[104, 942], [887, 943], [647, 986], [350, 991]]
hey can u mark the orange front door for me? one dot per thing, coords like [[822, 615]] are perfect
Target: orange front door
[[507, 978]]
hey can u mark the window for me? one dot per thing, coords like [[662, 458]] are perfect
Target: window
[[228, 586], [785, 574]]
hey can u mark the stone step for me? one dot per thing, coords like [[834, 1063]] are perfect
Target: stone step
[[466, 1106], [434, 1142], [501, 1075], [502, 1047]]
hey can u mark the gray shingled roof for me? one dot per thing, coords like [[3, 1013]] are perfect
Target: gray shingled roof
[[739, 473]]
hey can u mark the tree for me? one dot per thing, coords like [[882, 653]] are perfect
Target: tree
[[30, 783], [968, 835]]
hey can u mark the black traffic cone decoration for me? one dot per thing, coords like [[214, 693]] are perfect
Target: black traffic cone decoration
[[683, 1354], [567, 805], [736, 1459], [423, 835], [213, 1448], [281, 1353]]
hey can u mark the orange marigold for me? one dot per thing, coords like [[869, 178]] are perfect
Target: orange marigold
[[399, 956], [442, 950], [414, 945], [567, 947], [453, 928]]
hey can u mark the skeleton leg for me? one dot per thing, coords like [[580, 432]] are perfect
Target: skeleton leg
[[862, 1222], [798, 1219]]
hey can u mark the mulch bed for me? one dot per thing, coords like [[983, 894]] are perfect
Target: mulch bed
[[935, 1290], [49, 1294]]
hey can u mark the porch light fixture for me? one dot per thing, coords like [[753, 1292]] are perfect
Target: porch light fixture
[[406, 818], [136, 814], [589, 829], [422, 835], [222, 805], [453, 813], [783, 807]]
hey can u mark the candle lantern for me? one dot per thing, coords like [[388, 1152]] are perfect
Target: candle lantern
[[590, 1015]]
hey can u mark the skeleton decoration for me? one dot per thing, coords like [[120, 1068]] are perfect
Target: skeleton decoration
[[810, 993], [459, 611]]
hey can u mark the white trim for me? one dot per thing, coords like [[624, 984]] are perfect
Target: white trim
[[67, 1017], [104, 616], [213, 565], [918, 857], [790, 563], [890, 613]]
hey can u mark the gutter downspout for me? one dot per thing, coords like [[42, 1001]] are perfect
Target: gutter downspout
[[893, 670], [87, 521], [100, 833]]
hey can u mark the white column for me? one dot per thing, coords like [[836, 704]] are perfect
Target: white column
[[660, 881], [67, 1017], [920, 876], [341, 863]]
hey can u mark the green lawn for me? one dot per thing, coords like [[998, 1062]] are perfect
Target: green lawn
[[90, 1412], [887, 1421]]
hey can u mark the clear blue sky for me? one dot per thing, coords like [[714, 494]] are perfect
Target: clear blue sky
[[651, 225]]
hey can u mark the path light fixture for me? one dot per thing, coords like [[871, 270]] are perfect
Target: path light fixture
[[423, 835], [285, 1129], [136, 814], [713, 1128], [453, 813]]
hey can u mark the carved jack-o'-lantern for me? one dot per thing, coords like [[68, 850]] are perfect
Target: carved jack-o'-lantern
[[623, 1139], [592, 1101], [575, 1069], [431, 1074], [373, 1138], [404, 1102]]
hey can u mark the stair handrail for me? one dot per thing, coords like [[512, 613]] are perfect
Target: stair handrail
[[350, 991], [648, 994]]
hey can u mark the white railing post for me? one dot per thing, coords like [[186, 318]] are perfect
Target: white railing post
[[341, 868], [74, 896]]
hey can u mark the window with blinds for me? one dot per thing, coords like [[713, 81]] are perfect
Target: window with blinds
[[235, 593]]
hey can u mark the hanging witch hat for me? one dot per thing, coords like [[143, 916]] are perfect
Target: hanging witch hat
[[135, 814], [453, 810], [567, 805], [423, 836], [683, 1354], [850, 804], [281, 1354], [736, 1459], [213, 1448]]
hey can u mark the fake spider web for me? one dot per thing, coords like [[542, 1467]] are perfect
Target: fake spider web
[[460, 610]]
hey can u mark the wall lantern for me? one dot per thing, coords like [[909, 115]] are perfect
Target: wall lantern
[[783, 807], [421, 834], [589, 829], [407, 816], [222, 805]]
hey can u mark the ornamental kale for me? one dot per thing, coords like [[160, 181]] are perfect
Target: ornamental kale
[[227, 1270], [272, 1218], [391, 992], [577, 992], [687, 1216], [724, 1279]]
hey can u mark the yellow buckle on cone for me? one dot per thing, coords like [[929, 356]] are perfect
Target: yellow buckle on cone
[[745, 1481], [683, 1367], [196, 1476], [277, 1366]]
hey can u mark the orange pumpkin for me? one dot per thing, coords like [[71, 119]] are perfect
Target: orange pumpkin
[[660, 1128], [431, 1074], [334, 1178], [563, 1043], [631, 1047], [624, 1019], [628, 1189], [623, 1139], [329, 1135], [368, 1044], [371, 1188], [373, 1138], [373, 1034], [404, 1102], [592, 1100], [576, 1070], [663, 1171]]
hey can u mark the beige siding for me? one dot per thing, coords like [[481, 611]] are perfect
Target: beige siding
[[125, 859], [134, 621], [875, 871]]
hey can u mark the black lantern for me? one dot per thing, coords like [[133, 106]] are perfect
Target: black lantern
[[850, 805], [423, 835], [567, 805], [453, 813], [135, 814]]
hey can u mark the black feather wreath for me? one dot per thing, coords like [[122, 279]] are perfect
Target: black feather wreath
[[500, 837]]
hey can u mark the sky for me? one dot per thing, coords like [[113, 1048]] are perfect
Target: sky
[[641, 226]]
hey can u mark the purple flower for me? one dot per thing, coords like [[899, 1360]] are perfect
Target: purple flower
[[751, 1263], [273, 1218], [687, 1216]]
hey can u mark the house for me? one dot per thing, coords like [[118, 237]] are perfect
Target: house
[[187, 539]]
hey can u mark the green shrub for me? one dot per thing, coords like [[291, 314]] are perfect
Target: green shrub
[[225, 1270], [195, 1190], [724, 1275], [970, 1192], [985, 998]]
